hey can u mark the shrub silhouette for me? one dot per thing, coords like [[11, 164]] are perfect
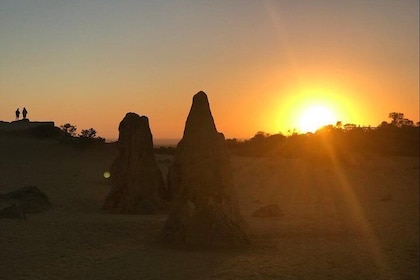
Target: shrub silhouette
[[400, 137], [86, 136], [69, 129], [88, 133]]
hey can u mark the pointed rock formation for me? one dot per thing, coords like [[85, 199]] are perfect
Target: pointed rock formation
[[205, 212], [135, 177]]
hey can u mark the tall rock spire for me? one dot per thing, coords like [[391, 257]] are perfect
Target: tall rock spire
[[135, 177], [200, 123], [206, 211]]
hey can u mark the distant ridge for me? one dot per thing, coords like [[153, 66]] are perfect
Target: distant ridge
[[28, 128], [159, 142], [166, 141]]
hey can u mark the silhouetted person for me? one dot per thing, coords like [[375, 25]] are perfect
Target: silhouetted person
[[17, 114], [24, 113]]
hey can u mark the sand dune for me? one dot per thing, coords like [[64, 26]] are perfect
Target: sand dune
[[358, 220]]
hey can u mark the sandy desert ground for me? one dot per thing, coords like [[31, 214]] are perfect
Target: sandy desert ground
[[358, 220]]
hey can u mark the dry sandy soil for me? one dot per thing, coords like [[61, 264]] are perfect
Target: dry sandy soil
[[358, 220]]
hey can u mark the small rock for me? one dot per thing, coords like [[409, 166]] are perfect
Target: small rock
[[30, 199], [12, 212]]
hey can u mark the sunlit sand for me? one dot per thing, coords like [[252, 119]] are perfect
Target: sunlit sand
[[353, 221]]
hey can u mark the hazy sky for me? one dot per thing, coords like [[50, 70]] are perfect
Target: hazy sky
[[89, 62]]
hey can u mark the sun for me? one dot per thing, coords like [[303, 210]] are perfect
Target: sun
[[315, 117]]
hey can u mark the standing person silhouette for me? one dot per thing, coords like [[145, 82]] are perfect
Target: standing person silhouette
[[24, 113], [17, 114]]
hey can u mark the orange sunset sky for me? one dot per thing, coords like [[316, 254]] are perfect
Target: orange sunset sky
[[261, 63]]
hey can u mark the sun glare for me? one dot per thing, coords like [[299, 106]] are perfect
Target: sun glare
[[315, 117], [307, 109]]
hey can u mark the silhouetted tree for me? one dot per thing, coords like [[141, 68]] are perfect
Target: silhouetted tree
[[88, 136], [88, 133], [399, 120], [69, 129], [292, 132], [325, 128], [383, 124], [349, 126], [407, 122], [260, 135], [396, 117]]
